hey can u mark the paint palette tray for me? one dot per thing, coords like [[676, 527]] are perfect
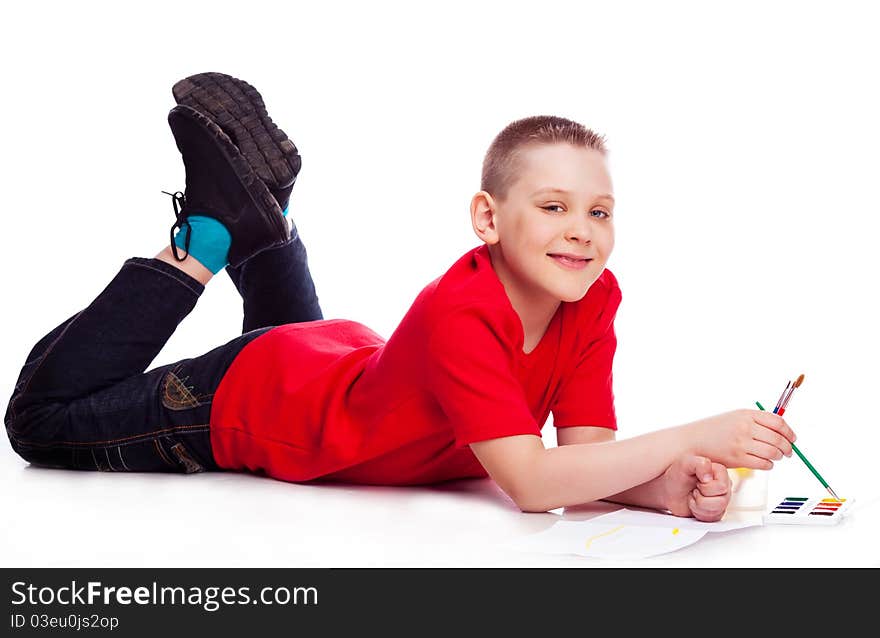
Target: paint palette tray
[[802, 510]]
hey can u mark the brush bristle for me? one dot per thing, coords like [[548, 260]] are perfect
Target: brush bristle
[[799, 381]]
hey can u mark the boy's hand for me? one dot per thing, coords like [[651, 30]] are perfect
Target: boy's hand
[[742, 438], [697, 487]]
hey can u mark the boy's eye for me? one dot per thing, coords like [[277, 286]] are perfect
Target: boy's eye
[[596, 212]]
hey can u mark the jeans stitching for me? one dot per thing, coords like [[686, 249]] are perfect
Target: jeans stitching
[[48, 349], [34, 360], [162, 452], [95, 459], [109, 463], [122, 460], [179, 396], [129, 439], [189, 463], [169, 275]]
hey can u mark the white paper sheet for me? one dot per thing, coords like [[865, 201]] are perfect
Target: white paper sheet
[[607, 540], [624, 534], [730, 521]]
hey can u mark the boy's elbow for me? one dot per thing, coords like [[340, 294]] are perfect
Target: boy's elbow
[[515, 464], [532, 508], [528, 500]]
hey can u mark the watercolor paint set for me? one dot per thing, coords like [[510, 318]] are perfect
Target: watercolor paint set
[[803, 510]]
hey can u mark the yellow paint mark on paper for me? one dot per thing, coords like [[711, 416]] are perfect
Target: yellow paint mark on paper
[[675, 531], [608, 533]]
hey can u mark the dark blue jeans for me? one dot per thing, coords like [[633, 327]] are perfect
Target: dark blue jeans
[[83, 399]]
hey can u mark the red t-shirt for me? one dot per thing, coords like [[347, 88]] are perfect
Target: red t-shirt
[[333, 400]]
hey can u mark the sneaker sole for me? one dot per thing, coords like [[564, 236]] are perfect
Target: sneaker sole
[[259, 193], [238, 108]]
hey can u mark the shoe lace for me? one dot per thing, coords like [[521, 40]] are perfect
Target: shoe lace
[[178, 200]]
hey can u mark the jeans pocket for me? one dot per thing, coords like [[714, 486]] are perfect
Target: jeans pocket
[[186, 460], [175, 456], [177, 395]]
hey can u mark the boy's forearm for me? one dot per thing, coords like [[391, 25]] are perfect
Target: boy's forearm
[[581, 473], [651, 494]]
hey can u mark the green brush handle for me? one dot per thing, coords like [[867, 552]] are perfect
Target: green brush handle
[[809, 465], [803, 458]]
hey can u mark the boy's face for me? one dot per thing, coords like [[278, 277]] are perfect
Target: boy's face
[[529, 231]]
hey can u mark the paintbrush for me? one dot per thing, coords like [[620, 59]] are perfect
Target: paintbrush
[[783, 402], [781, 397]]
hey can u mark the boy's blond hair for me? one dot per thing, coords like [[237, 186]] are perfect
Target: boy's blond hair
[[502, 162]]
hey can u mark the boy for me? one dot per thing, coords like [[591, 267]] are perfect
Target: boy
[[519, 327]]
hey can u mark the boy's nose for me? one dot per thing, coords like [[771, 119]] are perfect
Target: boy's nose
[[581, 229]]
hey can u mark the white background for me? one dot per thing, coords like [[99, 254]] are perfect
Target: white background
[[744, 151]]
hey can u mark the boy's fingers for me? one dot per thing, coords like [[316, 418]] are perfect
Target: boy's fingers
[[753, 462], [700, 467], [719, 485], [712, 488], [721, 475], [774, 422], [772, 438], [764, 450], [707, 508]]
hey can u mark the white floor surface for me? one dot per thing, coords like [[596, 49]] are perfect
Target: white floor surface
[[57, 518]]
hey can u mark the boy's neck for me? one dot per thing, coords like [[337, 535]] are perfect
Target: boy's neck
[[535, 310], [534, 324]]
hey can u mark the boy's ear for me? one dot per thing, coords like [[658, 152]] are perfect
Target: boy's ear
[[483, 217]]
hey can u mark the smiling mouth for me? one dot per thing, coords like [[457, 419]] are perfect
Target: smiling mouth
[[567, 261], [570, 260]]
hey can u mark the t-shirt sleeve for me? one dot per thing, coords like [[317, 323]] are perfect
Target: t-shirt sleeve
[[469, 371], [586, 396]]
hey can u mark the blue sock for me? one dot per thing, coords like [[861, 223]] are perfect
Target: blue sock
[[209, 242]]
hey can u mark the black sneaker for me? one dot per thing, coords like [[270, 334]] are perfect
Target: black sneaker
[[238, 108], [220, 183]]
